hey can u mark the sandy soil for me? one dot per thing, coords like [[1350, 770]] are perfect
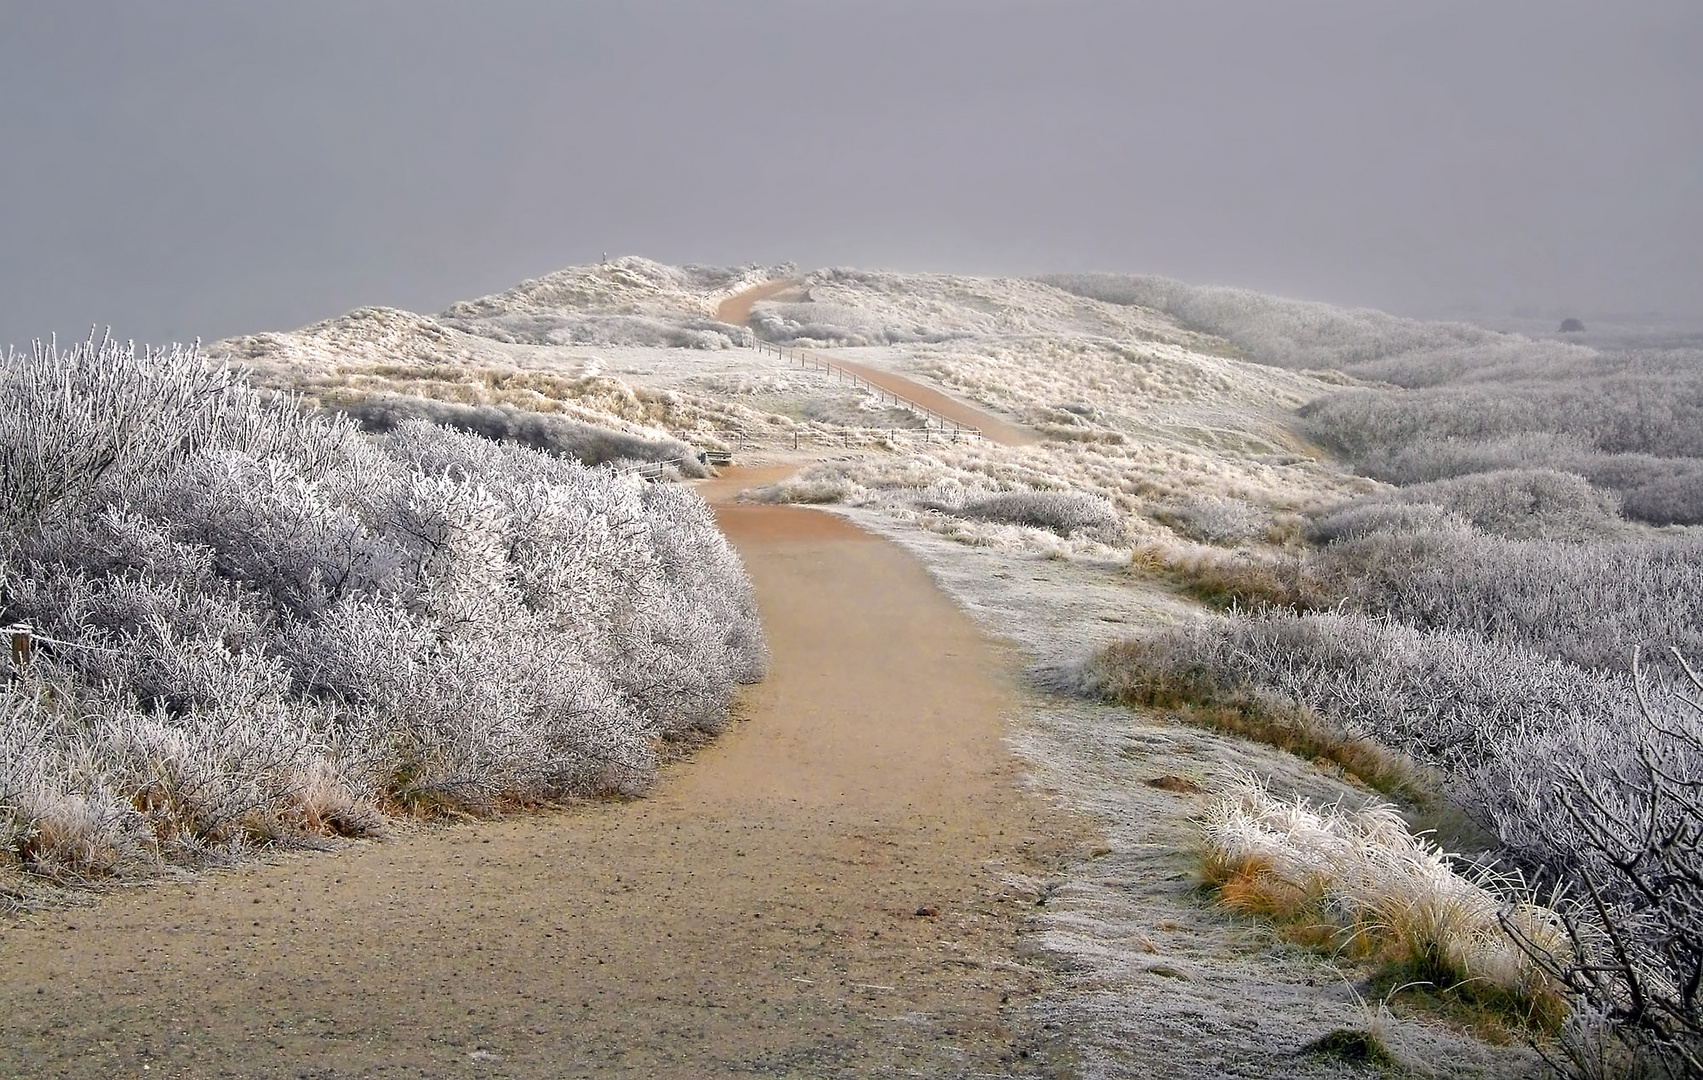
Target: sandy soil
[[833, 888]]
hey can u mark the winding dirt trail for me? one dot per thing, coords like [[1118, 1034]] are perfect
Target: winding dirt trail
[[758, 915], [992, 427], [736, 310]]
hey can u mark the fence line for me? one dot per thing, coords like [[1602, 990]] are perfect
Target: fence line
[[806, 360], [830, 435], [936, 427]]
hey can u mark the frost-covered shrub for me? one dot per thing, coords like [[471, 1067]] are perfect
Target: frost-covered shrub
[[1615, 815], [838, 324], [576, 328], [1216, 520], [1273, 330], [1062, 512], [698, 562], [99, 411], [1660, 415], [1426, 459], [561, 435], [1448, 699], [1659, 491], [1368, 516], [1516, 503], [263, 623], [1589, 604]]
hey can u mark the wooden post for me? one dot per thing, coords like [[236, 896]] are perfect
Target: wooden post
[[23, 646]]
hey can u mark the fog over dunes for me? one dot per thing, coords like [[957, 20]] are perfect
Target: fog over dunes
[[1489, 163]]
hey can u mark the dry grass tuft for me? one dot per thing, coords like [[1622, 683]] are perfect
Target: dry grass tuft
[[1360, 884]]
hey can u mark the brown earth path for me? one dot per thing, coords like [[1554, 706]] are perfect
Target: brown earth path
[[992, 427], [757, 915], [736, 310]]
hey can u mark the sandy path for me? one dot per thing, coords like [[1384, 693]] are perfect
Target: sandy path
[[736, 309], [757, 916], [992, 427]]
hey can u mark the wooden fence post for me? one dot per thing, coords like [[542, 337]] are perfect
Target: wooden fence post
[[23, 646]]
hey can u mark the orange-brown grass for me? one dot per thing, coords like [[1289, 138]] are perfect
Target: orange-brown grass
[[1243, 579], [1357, 884]]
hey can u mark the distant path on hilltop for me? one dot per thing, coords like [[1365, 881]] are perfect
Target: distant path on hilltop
[[736, 310], [992, 427], [825, 890]]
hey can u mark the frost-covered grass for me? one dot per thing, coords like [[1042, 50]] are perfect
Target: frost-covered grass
[[1626, 416], [264, 625], [628, 301], [1355, 881], [1481, 619]]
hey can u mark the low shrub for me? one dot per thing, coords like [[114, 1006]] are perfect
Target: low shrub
[[1615, 813], [1446, 699], [560, 435], [1517, 503], [1215, 520], [1062, 512], [1367, 517], [1592, 605]]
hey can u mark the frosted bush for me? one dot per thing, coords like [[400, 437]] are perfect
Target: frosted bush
[[1062, 512], [1273, 330], [1364, 518], [586, 443], [1443, 458], [572, 328], [1661, 415], [1516, 503], [1448, 699], [1216, 520], [1592, 605], [275, 626], [839, 324], [1613, 813]]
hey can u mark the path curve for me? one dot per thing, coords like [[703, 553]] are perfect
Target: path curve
[[736, 309], [759, 914], [992, 427]]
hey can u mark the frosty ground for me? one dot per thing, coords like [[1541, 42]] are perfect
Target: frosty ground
[[1118, 963]]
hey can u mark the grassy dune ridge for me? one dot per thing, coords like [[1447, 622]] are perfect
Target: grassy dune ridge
[[1484, 620], [1501, 617]]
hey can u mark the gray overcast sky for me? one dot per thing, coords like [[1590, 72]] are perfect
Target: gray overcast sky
[[204, 167]]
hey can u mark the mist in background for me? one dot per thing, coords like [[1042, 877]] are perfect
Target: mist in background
[[200, 168]]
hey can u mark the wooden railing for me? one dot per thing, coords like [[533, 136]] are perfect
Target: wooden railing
[[806, 360]]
